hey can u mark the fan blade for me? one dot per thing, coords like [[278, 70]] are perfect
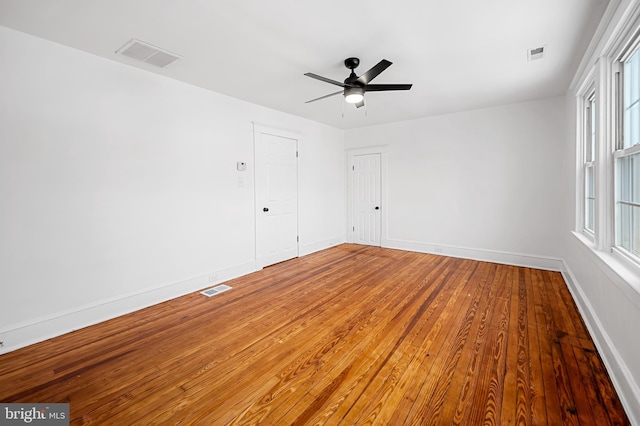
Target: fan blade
[[325, 96], [373, 72], [326, 80], [383, 87], [360, 104]]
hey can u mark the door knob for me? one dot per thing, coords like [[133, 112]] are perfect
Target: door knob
[[265, 209], [377, 207]]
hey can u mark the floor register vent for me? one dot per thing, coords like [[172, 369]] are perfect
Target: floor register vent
[[216, 290]]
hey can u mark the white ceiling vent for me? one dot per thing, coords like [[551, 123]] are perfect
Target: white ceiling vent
[[145, 52], [535, 53]]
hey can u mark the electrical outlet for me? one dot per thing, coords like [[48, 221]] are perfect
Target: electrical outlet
[[438, 249], [1, 344], [213, 278]]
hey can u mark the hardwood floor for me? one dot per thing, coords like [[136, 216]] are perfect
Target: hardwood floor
[[350, 335]]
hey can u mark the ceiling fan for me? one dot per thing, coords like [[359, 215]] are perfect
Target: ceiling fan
[[354, 87]]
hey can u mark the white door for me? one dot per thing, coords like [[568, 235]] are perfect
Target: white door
[[366, 184], [276, 184]]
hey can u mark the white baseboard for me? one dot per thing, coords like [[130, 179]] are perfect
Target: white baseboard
[[17, 336], [306, 249], [628, 390], [516, 259]]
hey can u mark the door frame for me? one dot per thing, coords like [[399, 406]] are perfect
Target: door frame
[[383, 150], [258, 129]]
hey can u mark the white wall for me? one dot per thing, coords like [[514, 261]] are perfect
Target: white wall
[[118, 187], [484, 184]]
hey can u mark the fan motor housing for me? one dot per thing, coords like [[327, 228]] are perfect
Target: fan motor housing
[[352, 63]]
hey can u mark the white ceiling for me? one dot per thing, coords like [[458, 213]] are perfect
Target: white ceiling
[[459, 55]]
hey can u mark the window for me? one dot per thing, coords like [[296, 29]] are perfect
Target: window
[[608, 150], [589, 162], [627, 161], [627, 155]]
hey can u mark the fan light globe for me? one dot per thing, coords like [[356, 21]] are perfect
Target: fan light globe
[[353, 95]]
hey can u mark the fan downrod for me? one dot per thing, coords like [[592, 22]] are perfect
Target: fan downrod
[[352, 63]]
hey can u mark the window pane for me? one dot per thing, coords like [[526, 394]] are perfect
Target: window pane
[[628, 204], [631, 101], [593, 131], [590, 149], [624, 226], [627, 127], [634, 179], [634, 184], [634, 123], [635, 231], [590, 182], [589, 204], [589, 133], [623, 179], [633, 83]]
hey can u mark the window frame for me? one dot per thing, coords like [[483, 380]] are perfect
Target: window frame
[[626, 51], [586, 93], [589, 143], [618, 29], [617, 248], [605, 76]]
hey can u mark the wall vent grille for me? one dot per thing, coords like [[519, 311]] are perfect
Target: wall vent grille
[[147, 53], [216, 290], [535, 53]]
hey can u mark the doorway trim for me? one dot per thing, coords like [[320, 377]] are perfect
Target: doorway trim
[[383, 150]]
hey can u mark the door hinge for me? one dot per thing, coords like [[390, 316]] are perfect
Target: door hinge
[[353, 168], [298, 238], [354, 229], [296, 154]]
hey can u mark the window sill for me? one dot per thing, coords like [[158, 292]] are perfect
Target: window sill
[[623, 274], [589, 236]]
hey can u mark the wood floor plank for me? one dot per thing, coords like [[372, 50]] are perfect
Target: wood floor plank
[[391, 346], [511, 396], [566, 337], [374, 358], [607, 399], [372, 346], [416, 341], [552, 405], [568, 409], [420, 357], [457, 384], [439, 365], [345, 336], [535, 357]]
